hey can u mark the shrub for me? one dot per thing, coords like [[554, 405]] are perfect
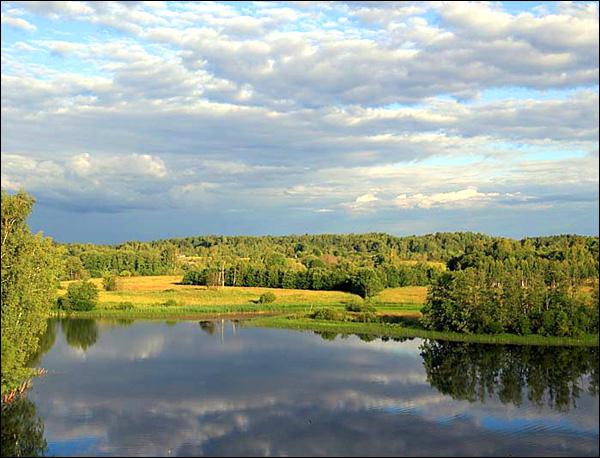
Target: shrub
[[81, 296], [170, 303], [125, 273], [266, 298], [360, 307], [125, 306], [109, 282], [328, 315], [62, 303], [195, 277], [367, 317]]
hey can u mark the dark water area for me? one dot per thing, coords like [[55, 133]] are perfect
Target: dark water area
[[140, 388]]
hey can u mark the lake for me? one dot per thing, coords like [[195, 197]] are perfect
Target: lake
[[216, 388]]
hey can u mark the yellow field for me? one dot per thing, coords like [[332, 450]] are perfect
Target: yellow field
[[404, 295], [155, 291]]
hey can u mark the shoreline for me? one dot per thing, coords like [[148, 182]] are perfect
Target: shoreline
[[279, 320], [399, 331]]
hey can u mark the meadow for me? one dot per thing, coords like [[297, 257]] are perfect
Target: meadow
[[165, 295]]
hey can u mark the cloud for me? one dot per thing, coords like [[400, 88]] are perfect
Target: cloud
[[407, 60], [365, 198], [464, 197], [322, 110], [84, 183], [17, 22], [133, 164], [549, 32]]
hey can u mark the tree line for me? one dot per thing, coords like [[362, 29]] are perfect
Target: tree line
[[364, 281], [81, 261], [260, 261]]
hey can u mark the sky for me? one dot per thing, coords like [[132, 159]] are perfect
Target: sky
[[148, 120]]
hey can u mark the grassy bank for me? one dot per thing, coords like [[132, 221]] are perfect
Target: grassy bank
[[164, 297], [395, 330]]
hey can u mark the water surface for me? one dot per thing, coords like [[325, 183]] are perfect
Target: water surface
[[190, 388]]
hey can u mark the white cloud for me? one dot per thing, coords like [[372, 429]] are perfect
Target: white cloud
[[266, 110], [464, 197], [17, 22], [81, 164], [366, 198], [133, 164]]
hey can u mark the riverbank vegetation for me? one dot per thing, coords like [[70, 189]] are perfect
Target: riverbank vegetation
[[30, 270], [409, 329], [504, 289], [394, 312]]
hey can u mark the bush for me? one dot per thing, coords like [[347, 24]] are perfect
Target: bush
[[109, 282], [81, 296], [125, 306], [367, 317], [329, 315], [266, 298], [62, 303], [195, 277], [170, 303], [125, 273], [360, 307]]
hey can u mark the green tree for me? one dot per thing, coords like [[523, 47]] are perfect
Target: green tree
[[74, 269], [82, 296], [30, 270], [366, 283]]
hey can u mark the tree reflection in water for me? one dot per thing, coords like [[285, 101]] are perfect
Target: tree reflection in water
[[551, 376], [80, 333], [45, 343], [208, 327], [22, 429]]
